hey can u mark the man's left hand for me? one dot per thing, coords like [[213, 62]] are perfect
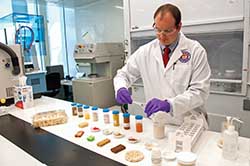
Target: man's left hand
[[156, 105]]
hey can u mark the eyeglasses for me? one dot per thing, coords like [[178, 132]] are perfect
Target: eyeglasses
[[164, 32]]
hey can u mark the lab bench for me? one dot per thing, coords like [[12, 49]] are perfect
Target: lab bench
[[56, 145]]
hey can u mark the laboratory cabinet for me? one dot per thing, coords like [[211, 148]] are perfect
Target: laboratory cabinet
[[193, 11]]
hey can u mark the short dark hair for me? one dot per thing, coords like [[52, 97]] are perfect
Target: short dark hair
[[169, 8]]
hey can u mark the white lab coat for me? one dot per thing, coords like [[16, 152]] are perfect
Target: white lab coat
[[184, 84]]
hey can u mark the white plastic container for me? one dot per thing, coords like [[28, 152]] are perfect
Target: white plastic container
[[156, 157], [230, 145], [159, 130], [186, 158]]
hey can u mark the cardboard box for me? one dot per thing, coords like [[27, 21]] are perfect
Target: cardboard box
[[23, 96]]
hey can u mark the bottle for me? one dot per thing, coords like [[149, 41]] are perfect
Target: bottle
[[94, 113], [158, 130], [230, 145], [116, 118], [156, 156], [86, 112], [126, 121], [74, 109], [138, 123], [106, 118], [80, 110]]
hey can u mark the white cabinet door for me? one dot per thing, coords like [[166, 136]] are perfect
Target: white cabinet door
[[193, 11], [141, 13]]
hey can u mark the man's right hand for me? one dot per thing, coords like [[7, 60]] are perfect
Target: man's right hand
[[123, 96]]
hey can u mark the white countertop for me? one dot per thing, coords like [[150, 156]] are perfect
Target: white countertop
[[206, 148]]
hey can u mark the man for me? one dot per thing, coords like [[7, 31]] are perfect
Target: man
[[174, 70]]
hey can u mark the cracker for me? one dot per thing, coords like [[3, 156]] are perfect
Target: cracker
[[83, 124], [103, 142], [134, 156]]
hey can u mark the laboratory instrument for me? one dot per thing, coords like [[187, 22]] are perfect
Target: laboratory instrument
[[11, 68], [104, 60]]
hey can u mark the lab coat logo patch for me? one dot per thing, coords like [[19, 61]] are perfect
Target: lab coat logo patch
[[185, 57]]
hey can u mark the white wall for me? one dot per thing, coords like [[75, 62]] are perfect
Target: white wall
[[102, 20], [5, 8]]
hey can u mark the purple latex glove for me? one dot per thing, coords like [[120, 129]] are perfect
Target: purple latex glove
[[123, 96], [156, 105]]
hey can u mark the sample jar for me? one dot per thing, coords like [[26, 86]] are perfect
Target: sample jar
[[116, 118], [94, 113], [138, 123], [74, 109], [156, 156], [158, 130], [106, 118], [86, 112], [80, 110], [126, 121]]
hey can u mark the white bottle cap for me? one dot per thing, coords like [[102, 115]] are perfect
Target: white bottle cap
[[231, 128]]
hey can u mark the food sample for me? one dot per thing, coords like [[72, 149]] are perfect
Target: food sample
[[86, 112], [91, 138], [138, 123], [95, 114], [95, 129], [118, 148], [74, 109], [159, 130], [116, 121], [49, 118], [134, 156], [126, 121], [133, 140], [80, 110], [106, 117], [103, 142], [79, 134], [107, 131], [118, 134], [149, 145], [83, 124]]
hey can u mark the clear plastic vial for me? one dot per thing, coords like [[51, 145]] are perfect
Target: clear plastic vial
[[80, 110], [126, 121], [86, 112], [95, 114], [106, 117], [74, 109], [158, 130], [138, 123], [116, 118]]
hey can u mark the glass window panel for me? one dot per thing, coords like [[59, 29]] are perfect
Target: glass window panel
[[225, 53]]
